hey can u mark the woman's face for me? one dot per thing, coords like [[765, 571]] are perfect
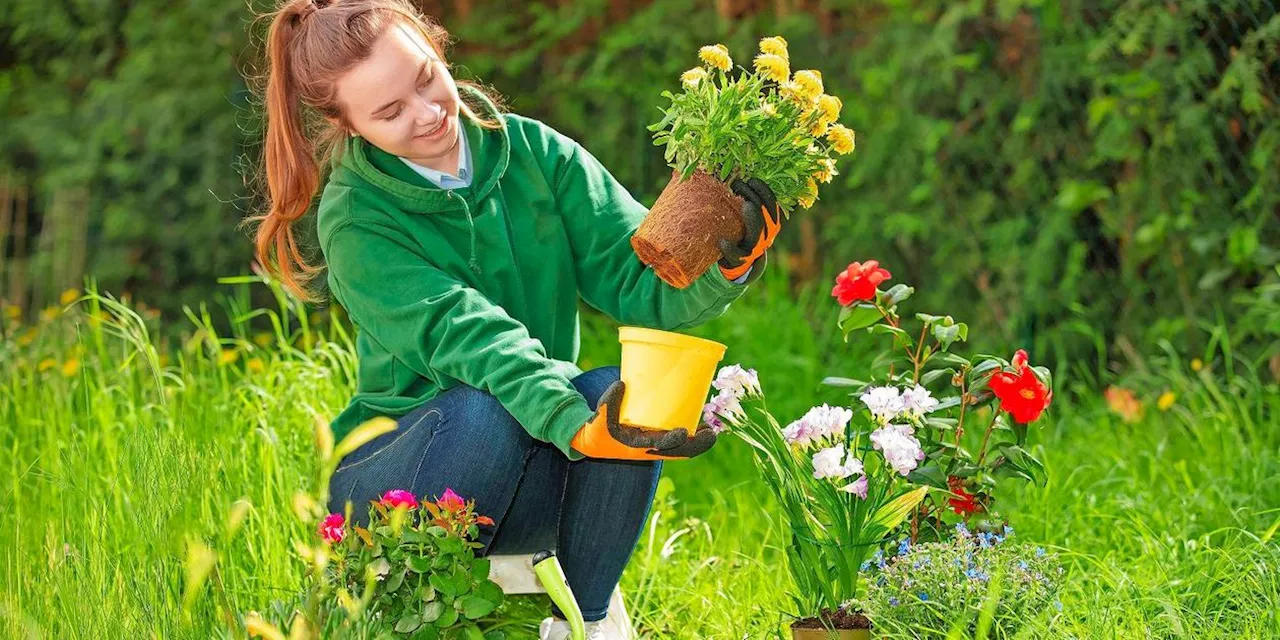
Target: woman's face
[[403, 100]]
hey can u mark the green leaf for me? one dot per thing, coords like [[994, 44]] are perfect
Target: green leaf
[[858, 316], [426, 632], [409, 623], [946, 334], [473, 632], [474, 607], [490, 591], [890, 329], [443, 584], [432, 611], [480, 568], [932, 475], [842, 382], [447, 617], [892, 513], [898, 293], [419, 564], [930, 376], [396, 580]]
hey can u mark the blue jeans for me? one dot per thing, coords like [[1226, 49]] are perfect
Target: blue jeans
[[591, 511]]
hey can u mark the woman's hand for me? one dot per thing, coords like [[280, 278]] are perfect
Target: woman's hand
[[604, 437], [761, 221]]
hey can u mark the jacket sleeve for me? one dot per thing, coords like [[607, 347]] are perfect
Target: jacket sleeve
[[440, 328], [600, 216]]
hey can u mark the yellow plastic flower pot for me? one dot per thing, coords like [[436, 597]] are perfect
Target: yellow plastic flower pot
[[667, 375]]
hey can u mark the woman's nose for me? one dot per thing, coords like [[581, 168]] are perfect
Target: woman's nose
[[429, 113]]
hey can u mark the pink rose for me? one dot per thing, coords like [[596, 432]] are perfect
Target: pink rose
[[331, 529], [398, 498]]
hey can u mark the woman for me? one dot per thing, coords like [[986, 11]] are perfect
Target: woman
[[459, 239]]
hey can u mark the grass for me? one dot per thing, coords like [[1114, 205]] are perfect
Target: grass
[[123, 465]]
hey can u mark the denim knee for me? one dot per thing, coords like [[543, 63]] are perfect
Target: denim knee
[[486, 420], [592, 384]]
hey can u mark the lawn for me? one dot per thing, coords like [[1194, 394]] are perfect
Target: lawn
[[125, 463]]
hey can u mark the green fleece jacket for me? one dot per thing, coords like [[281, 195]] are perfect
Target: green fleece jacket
[[480, 285]]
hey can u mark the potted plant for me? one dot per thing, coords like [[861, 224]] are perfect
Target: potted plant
[[766, 123], [840, 480], [922, 382]]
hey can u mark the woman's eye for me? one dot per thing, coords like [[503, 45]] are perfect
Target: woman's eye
[[394, 115]]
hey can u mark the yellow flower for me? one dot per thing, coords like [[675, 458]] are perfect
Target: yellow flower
[[263, 338], [830, 107], [775, 45], [12, 312], [227, 356], [49, 314], [809, 82], [768, 108], [793, 93], [27, 337], [69, 296], [773, 67], [1123, 403], [1166, 400], [46, 364], [810, 194], [819, 128], [827, 171], [841, 138], [255, 365], [70, 368], [716, 56], [1197, 364], [693, 77]]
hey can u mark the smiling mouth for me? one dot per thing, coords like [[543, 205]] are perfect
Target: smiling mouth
[[439, 127]]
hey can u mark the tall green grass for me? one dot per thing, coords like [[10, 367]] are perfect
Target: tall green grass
[[123, 462]]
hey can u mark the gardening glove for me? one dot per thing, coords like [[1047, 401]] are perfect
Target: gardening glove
[[604, 437], [761, 221]]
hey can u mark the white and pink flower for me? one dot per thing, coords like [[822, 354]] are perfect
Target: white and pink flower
[[901, 449]]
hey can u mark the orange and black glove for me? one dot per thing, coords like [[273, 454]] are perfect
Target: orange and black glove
[[604, 437], [761, 221]]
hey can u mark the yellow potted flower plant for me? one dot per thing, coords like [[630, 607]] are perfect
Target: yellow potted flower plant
[[766, 123]]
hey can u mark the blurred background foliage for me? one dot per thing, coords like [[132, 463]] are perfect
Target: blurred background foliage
[[1087, 179]]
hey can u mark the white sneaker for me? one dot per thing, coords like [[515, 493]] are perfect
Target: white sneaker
[[616, 624]]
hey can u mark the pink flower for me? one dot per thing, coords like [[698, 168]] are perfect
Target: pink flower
[[398, 498], [857, 487], [331, 528], [451, 501]]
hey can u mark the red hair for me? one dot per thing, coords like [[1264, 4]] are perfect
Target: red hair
[[310, 45]]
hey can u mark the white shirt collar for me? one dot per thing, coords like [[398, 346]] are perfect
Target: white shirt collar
[[445, 180]]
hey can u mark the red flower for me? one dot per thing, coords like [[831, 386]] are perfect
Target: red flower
[[1021, 393], [398, 498], [858, 282], [484, 520], [331, 528], [451, 501], [965, 504]]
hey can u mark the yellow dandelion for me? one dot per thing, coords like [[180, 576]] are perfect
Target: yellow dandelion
[[830, 107], [255, 365], [827, 171], [49, 314], [716, 56], [46, 364], [841, 138], [693, 77], [70, 368], [775, 45], [27, 337], [12, 312], [1197, 364], [227, 356], [69, 296], [1166, 400], [809, 82], [263, 338], [774, 67], [819, 128]]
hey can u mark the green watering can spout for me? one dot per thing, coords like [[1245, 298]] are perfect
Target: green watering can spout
[[547, 567]]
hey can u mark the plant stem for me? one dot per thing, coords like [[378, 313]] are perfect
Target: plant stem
[[919, 349], [964, 404], [982, 453]]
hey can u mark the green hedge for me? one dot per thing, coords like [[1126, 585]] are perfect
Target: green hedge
[[1053, 174]]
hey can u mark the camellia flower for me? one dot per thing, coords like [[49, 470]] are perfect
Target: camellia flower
[[858, 282], [773, 66], [964, 503], [857, 487], [884, 402], [716, 56], [833, 463], [901, 451], [917, 401], [396, 498], [451, 501], [331, 530], [841, 138], [1021, 393], [691, 78], [809, 84], [775, 45]]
